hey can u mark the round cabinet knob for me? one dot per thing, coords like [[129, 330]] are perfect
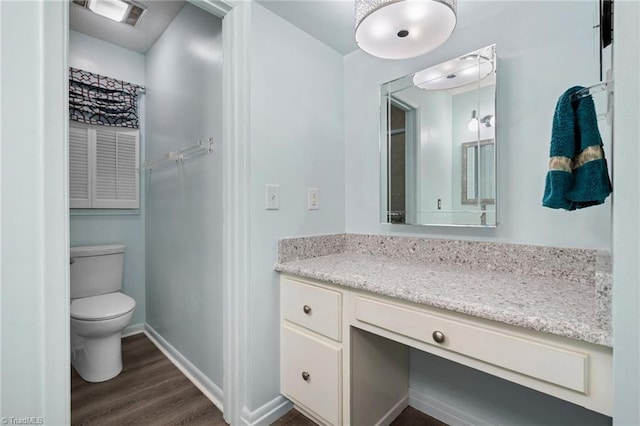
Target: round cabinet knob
[[306, 309], [305, 376], [438, 336]]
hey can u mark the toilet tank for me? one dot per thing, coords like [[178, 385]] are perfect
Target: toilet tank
[[96, 270]]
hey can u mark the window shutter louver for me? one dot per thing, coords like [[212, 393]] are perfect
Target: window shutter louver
[[79, 196], [107, 163], [126, 186]]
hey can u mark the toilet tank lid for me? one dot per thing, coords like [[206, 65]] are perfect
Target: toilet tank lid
[[96, 250]]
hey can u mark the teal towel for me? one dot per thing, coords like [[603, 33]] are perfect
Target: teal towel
[[578, 176]]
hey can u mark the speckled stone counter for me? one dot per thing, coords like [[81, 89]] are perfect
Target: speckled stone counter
[[555, 290]]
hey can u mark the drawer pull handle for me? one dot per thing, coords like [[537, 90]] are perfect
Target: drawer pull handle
[[306, 309], [438, 336], [305, 376]]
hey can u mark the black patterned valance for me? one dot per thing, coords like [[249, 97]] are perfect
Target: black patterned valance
[[96, 99]]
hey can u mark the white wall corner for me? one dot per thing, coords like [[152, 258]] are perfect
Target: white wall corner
[[35, 267], [202, 382], [626, 203], [267, 414], [236, 29], [442, 411]]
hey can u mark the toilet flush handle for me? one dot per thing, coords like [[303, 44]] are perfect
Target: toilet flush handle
[[72, 261]]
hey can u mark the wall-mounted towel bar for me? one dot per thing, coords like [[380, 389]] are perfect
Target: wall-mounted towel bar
[[607, 86], [182, 154], [591, 90]]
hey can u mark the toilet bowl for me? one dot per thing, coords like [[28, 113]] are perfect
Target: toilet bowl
[[99, 312], [96, 334]]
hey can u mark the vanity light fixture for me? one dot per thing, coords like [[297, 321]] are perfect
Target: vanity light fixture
[[400, 29], [488, 120], [473, 123]]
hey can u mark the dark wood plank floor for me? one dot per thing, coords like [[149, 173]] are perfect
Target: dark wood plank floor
[[149, 391], [152, 391], [409, 417]]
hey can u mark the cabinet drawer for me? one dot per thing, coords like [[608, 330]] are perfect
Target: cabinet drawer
[[520, 354], [312, 307], [310, 373]]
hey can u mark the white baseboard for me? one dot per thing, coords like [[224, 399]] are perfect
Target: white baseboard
[[395, 411], [443, 411], [133, 329], [206, 386], [268, 413]]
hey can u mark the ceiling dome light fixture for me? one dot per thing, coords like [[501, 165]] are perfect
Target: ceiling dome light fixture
[[400, 29]]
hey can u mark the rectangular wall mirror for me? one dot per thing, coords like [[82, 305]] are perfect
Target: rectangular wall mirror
[[438, 144]]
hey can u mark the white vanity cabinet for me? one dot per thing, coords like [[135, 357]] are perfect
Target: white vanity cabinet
[[353, 347], [311, 349]]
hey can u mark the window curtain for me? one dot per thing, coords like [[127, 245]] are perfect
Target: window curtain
[[96, 99]]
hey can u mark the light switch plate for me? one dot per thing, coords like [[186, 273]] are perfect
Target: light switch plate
[[273, 197], [312, 198]]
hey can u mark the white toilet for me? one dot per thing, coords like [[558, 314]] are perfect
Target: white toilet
[[99, 312]]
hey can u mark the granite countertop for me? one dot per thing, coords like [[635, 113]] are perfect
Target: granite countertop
[[555, 305]]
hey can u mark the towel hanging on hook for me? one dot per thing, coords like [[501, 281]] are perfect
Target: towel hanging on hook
[[578, 176]]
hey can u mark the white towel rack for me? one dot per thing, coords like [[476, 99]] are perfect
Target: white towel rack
[[178, 157], [596, 88], [588, 91]]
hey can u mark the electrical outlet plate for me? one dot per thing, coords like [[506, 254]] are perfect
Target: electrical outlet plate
[[312, 198]]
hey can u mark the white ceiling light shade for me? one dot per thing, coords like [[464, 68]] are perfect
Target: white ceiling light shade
[[400, 29], [112, 9]]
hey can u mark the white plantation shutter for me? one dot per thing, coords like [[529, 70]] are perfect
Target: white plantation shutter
[[79, 167], [106, 165], [112, 168], [127, 183]]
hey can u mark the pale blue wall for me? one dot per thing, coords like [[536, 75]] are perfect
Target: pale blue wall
[[34, 253], [543, 49], [297, 141], [184, 208], [106, 226]]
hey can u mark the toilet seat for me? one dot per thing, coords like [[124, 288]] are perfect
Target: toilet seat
[[103, 307]]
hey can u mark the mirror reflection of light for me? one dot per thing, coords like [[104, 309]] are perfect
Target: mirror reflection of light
[[473, 125]]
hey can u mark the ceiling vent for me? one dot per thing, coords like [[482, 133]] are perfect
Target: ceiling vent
[[135, 12], [131, 17]]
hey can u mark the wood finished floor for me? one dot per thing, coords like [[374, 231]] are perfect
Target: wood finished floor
[[149, 391], [409, 417], [152, 391]]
